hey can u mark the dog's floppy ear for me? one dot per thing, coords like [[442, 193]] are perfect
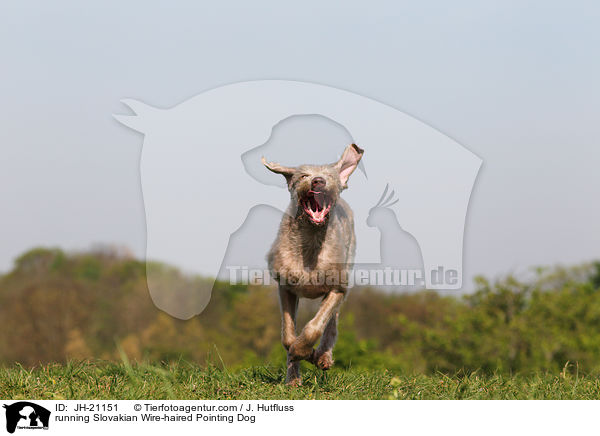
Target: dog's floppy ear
[[286, 172], [348, 162]]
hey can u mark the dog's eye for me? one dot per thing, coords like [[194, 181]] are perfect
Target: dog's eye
[[303, 176]]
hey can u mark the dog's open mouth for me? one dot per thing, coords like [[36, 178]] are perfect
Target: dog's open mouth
[[316, 205]]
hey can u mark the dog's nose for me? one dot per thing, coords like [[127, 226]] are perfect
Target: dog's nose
[[318, 183]]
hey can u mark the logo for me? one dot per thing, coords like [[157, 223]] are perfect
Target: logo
[[26, 415], [212, 208]]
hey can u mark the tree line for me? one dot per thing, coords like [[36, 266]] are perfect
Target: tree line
[[57, 306]]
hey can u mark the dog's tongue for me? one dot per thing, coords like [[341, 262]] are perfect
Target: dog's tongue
[[319, 199], [316, 206]]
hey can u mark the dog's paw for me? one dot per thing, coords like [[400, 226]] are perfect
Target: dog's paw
[[324, 361], [294, 382]]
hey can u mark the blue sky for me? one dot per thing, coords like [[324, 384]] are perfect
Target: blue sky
[[514, 82]]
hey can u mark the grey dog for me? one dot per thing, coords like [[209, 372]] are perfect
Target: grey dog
[[312, 255]]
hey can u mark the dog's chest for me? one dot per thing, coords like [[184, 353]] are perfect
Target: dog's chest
[[310, 263]]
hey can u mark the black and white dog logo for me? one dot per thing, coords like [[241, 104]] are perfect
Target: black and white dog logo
[[26, 415]]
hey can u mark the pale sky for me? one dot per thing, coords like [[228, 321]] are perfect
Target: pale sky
[[514, 82]]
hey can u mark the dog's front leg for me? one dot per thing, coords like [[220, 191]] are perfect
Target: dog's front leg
[[302, 348], [324, 356], [289, 308]]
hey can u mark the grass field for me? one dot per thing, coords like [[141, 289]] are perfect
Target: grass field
[[104, 380]]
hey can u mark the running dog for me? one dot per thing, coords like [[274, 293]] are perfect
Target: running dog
[[312, 255]]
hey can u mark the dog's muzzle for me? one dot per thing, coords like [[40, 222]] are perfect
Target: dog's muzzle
[[317, 205]]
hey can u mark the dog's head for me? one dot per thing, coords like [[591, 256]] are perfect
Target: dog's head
[[315, 189]]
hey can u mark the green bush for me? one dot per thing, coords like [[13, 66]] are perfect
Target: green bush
[[61, 306]]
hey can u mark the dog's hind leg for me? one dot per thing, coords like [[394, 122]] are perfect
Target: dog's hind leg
[[289, 308], [302, 348], [324, 355]]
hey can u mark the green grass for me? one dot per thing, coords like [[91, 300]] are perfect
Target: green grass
[[105, 380]]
